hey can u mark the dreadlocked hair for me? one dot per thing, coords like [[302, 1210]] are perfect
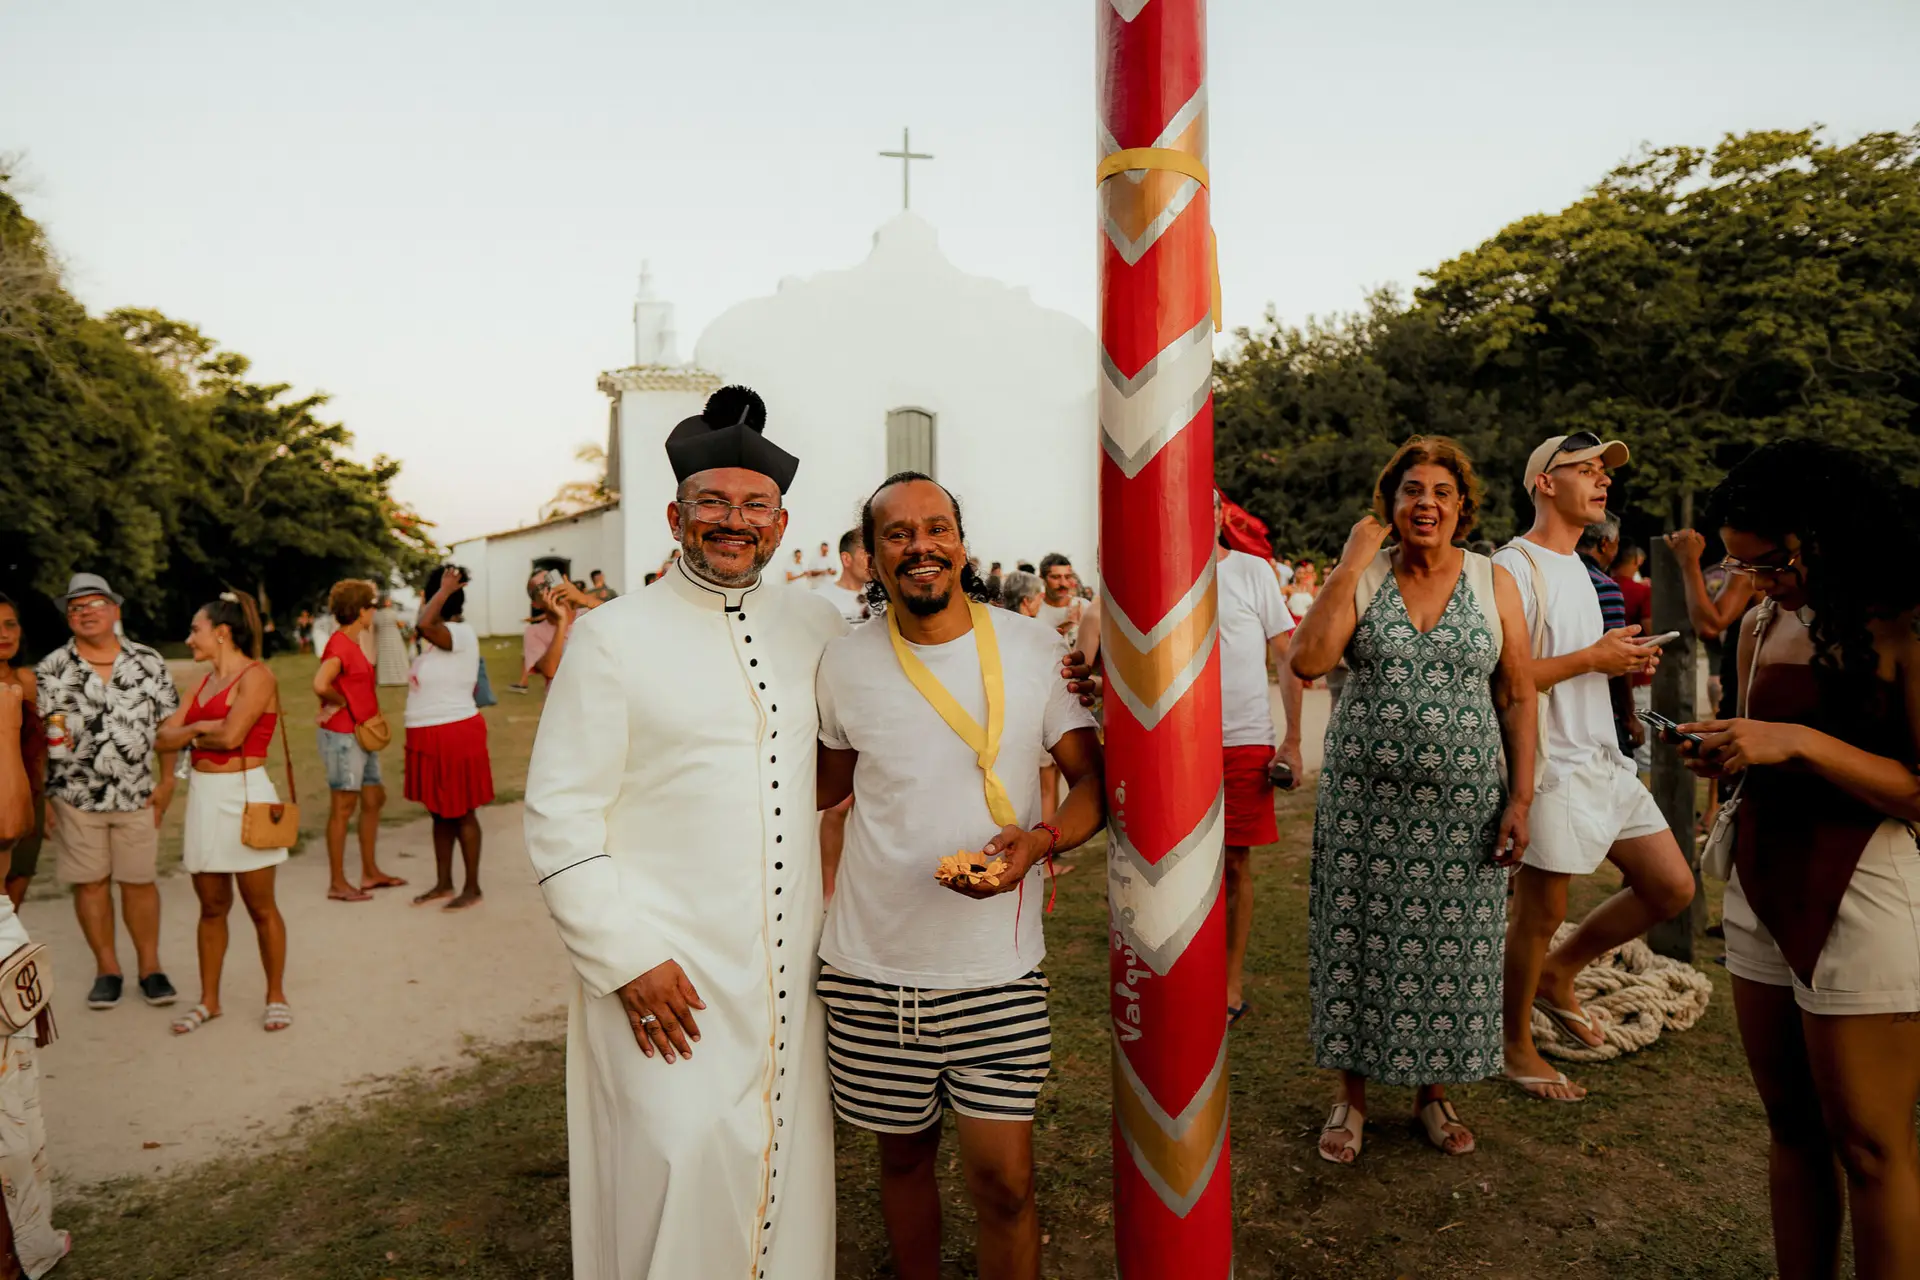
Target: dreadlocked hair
[[1859, 548], [971, 584]]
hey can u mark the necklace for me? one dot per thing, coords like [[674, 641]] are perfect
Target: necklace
[[1805, 614]]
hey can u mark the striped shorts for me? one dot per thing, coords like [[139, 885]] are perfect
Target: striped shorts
[[896, 1056]]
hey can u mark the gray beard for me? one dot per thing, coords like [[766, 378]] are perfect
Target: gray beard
[[694, 550]]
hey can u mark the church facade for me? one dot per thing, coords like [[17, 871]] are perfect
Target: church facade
[[902, 362]]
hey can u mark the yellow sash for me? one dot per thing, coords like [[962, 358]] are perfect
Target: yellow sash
[[984, 743]]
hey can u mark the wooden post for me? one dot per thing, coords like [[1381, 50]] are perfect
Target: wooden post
[[1172, 1186], [1674, 690]]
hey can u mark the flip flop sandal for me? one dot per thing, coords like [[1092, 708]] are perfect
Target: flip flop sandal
[[1531, 1085], [1235, 1012], [192, 1020], [278, 1017], [1573, 1023], [1434, 1118], [356, 895], [1344, 1120]]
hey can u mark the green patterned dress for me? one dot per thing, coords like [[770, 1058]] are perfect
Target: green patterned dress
[[1408, 910]]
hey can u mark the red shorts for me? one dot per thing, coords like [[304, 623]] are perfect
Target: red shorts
[[447, 767], [1250, 819]]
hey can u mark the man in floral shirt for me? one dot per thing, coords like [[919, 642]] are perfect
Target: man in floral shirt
[[103, 800]]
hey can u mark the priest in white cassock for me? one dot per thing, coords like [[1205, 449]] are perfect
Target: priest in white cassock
[[671, 820]]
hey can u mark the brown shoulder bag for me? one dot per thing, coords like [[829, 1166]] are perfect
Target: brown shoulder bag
[[272, 826]]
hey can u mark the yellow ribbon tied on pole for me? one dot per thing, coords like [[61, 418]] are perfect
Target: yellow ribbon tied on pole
[[984, 743], [1174, 162]]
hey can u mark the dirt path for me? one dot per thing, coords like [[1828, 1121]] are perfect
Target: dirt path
[[378, 989]]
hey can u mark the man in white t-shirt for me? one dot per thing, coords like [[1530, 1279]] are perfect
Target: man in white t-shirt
[[1253, 619], [1063, 607], [824, 569], [934, 994], [1589, 806], [797, 574], [849, 591]]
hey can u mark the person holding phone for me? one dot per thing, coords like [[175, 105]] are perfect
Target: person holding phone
[[1822, 910], [448, 769], [1591, 806]]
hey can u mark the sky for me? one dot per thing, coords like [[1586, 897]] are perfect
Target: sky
[[436, 212]]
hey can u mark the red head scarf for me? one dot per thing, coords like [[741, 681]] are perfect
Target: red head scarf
[[1245, 531]]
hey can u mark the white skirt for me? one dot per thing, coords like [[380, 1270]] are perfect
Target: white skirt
[[216, 804]]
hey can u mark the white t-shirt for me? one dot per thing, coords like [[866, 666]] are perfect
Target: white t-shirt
[[797, 572], [851, 604], [1252, 612], [919, 796], [826, 571], [1579, 711], [1067, 615], [440, 685]]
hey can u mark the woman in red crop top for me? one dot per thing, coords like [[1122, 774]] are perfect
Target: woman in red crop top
[[229, 725], [1822, 910]]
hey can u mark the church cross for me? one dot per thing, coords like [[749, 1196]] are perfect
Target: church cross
[[906, 155]]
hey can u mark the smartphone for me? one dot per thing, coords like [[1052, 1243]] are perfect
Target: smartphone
[[1654, 642], [1280, 775], [1669, 729], [553, 580]]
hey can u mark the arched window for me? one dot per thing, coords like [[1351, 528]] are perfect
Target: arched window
[[910, 441]]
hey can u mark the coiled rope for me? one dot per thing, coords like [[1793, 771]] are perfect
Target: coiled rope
[[1633, 995]]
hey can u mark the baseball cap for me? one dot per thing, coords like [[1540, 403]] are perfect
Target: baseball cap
[[88, 584], [1565, 451]]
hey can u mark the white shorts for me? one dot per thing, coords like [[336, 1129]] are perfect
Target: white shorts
[[1871, 961], [216, 806], [1600, 804]]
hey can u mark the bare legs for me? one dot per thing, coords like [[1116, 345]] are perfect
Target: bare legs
[[216, 892], [1803, 1174], [1866, 1070], [464, 830], [1239, 878], [370, 801], [997, 1157], [139, 906], [1659, 886]]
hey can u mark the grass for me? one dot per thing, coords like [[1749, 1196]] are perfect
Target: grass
[[510, 727], [1659, 1174]]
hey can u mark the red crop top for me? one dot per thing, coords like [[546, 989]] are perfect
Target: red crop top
[[259, 738]]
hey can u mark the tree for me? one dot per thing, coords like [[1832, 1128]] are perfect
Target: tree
[[578, 495], [1695, 304]]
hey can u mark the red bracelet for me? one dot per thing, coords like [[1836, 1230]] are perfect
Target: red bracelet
[[1053, 837]]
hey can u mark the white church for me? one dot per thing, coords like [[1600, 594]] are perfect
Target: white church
[[902, 362]]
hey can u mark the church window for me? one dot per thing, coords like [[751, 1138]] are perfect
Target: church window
[[910, 441]]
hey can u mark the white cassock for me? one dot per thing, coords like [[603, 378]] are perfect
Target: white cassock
[[670, 816]]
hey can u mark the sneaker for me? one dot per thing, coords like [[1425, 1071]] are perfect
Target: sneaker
[[106, 991], [157, 991]]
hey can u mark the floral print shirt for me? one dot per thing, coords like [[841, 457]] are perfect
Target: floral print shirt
[[111, 727]]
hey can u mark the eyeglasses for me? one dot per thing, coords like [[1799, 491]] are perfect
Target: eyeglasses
[[1770, 572], [88, 605], [1573, 444], [717, 511]]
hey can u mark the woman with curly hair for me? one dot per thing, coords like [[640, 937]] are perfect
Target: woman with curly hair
[[1823, 906], [1417, 822]]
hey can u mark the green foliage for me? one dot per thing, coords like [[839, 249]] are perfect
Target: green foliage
[[1694, 304], [139, 449]]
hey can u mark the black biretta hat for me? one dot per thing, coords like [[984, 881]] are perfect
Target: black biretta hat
[[729, 432]]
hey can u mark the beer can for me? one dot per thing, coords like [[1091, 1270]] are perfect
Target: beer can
[[59, 746]]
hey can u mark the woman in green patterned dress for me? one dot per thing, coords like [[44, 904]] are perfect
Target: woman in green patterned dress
[[1417, 822]]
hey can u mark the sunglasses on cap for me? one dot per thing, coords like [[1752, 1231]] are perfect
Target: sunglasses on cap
[[1572, 444]]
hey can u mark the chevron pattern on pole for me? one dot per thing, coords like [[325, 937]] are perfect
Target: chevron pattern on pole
[[1171, 1149]]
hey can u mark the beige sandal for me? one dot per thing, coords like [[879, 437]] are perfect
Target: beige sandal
[[192, 1020], [1348, 1120], [1435, 1117]]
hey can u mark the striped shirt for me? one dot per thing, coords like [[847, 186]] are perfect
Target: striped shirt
[[1613, 616]]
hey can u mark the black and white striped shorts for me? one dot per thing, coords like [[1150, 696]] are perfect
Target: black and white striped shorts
[[896, 1055]]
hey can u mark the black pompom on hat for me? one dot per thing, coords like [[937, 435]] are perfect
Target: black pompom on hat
[[730, 432]]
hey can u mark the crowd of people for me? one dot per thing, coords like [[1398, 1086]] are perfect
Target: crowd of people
[[834, 739]]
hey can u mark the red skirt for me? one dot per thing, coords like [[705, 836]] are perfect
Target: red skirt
[[1250, 819], [448, 770]]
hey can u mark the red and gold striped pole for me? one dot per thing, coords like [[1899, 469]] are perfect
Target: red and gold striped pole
[[1172, 1186]]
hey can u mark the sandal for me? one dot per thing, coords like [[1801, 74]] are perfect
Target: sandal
[[1235, 1012], [1537, 1086], [349, 895], [1573, 1023], [1435, 1117], [192, 1020], [278, 1017], [1344, 1119]]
